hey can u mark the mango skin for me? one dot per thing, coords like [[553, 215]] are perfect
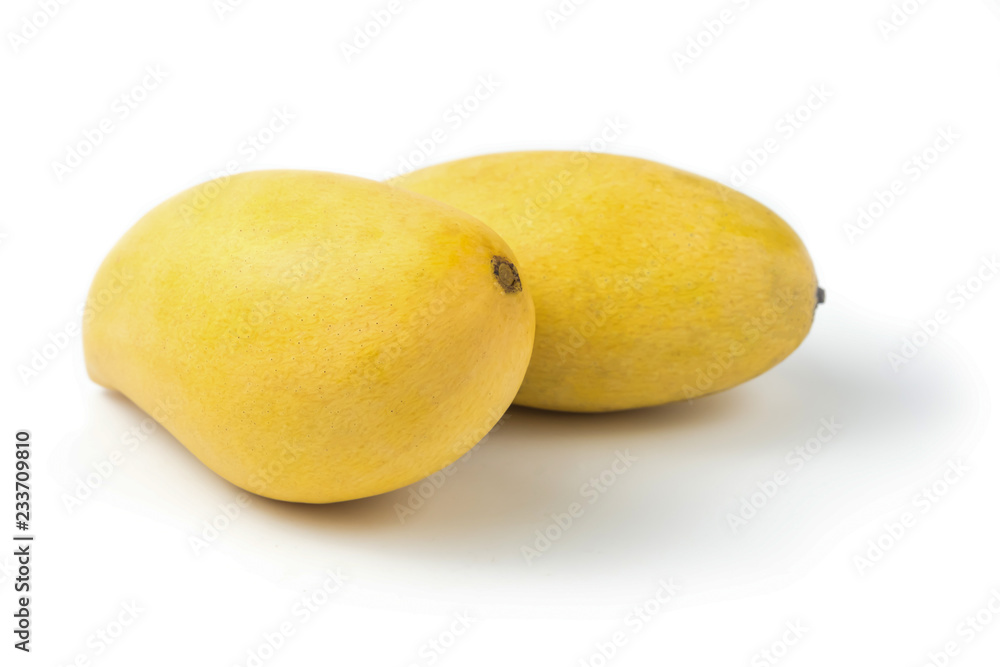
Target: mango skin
[[651, 284], [308, 336]]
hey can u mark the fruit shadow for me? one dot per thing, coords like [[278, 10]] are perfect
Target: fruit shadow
[[508, 469], [693, 462]]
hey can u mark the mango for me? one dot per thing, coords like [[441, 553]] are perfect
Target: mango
[[312, 337], [650, 284]]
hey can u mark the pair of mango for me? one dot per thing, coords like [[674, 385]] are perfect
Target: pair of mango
[[321, 337]]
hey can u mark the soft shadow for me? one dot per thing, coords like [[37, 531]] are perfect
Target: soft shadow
[[524, 434], [693, 462]]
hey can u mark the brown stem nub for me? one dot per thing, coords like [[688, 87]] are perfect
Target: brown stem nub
[[506, 275]]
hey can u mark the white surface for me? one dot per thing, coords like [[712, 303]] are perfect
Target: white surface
[[663, 519]]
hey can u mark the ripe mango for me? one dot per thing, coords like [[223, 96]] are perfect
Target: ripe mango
[[650, 284], [312, 337]]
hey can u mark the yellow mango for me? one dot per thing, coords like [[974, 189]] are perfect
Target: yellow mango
[[312, 337], [650, 284]]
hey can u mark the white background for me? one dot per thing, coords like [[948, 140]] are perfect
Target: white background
[[798, 561]]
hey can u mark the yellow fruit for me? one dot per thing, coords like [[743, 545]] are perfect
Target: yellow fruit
[[309, 336], [650, 284]]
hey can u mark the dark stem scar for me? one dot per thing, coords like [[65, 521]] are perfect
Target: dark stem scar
[[506, 275]]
